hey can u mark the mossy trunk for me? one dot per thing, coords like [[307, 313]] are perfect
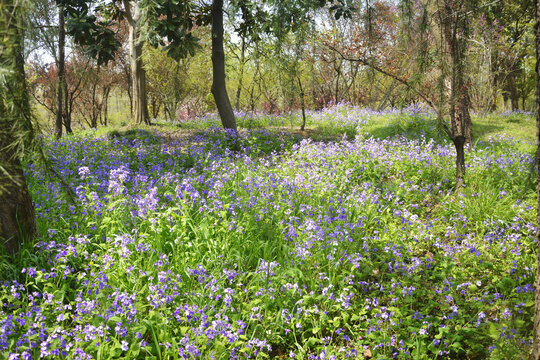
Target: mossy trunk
[[17, 219]]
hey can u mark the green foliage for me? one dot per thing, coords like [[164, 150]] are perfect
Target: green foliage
[[170, 25], [94, 35]]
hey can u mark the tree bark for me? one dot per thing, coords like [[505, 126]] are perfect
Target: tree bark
[[17, 219], [67, 110], [513, 91], [303, 104], [219, 89], [454, 25], [536, 336], [105, 105], [494, 79], [61, 88], [459, 144], [138, 74]]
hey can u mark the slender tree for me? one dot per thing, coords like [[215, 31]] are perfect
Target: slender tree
[[454, 25], [62, 86], [536, 336]]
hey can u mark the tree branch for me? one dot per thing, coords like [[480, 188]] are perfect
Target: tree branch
[[384, 72]]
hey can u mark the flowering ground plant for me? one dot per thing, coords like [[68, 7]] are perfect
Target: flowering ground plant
[[264, 245]]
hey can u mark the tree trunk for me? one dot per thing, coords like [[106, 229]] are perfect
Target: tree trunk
[[303, 104], [459, 144], [138, 74], [17, 219], [454, 25], [494, 81], [66, 118], [337, 69], [512, 89], [106, 92], [536, 336], [61, 88], [69, 110], [219, 89], [95, 113], [129, 82]]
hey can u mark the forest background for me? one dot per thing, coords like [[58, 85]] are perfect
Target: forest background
[[384, 55]]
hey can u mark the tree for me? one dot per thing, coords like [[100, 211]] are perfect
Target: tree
[[17, 219], [290, 59], [167, 81], [97, 83], [536, 336], [165, 23], [454, 26], [43, 86], [43, 34], [219, 89], [134, 16], [62, 86]]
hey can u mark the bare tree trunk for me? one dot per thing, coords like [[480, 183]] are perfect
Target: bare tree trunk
[[66, 118], [338, 71], [127, 72], [69, 111], [94, 114], [219, 89], [138, 74], [493, 80], [512, 89], [156, 107], [17, 219], [105, 104], [303, 104], [61, 88], [536, 336]]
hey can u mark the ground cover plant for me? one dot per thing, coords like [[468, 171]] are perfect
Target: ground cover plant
[[272, 246]]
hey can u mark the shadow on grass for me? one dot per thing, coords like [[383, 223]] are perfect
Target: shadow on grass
[[484, 130], [410, 128]]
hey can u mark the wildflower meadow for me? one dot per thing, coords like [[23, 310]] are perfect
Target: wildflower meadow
[[353, 243]]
